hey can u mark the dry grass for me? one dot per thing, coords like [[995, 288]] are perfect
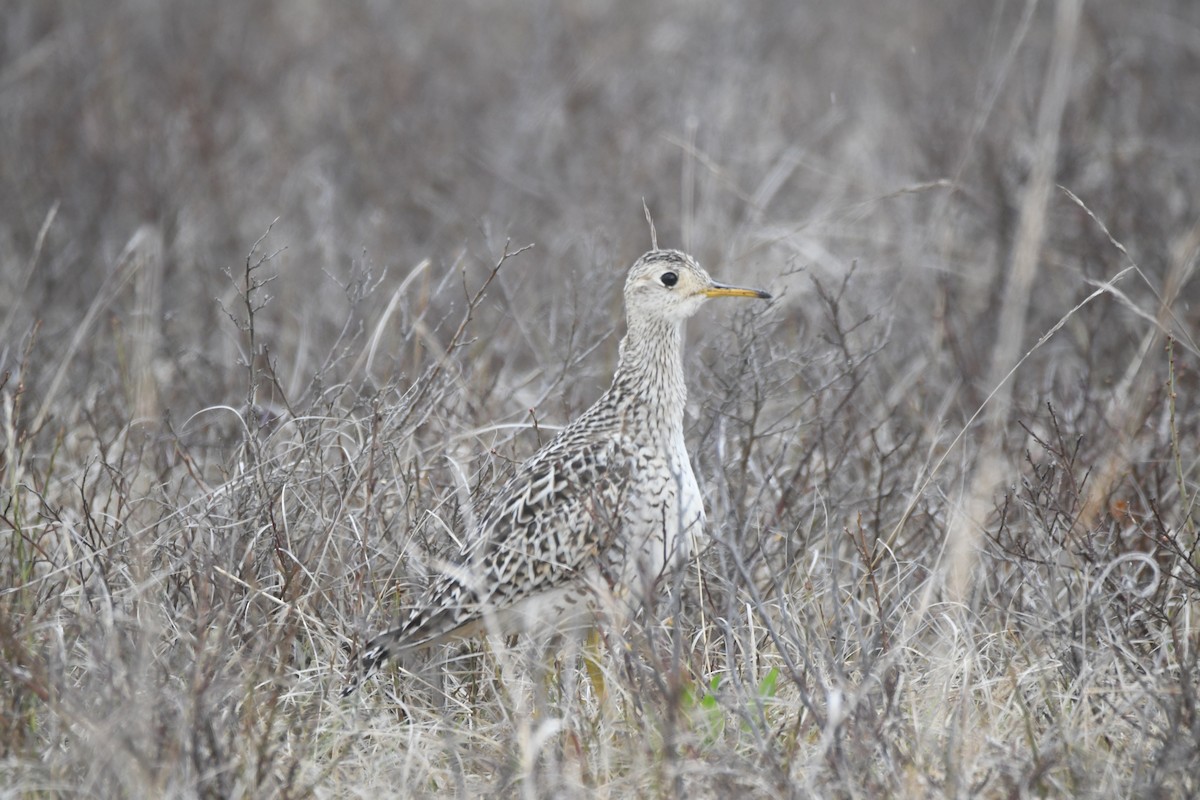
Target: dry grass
[[951, 472]]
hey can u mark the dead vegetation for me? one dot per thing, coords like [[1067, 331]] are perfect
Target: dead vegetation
[[953, 498]]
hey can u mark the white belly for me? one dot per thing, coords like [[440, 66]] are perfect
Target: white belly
[[566, 610], [664, 522]]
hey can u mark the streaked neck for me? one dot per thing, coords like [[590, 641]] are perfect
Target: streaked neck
[[650, 373]]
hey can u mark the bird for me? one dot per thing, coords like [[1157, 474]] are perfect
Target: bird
[[600, 511]]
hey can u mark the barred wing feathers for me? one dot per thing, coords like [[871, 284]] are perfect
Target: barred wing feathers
[[540, 531]]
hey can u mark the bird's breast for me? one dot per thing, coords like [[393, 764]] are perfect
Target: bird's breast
[[664, 512]]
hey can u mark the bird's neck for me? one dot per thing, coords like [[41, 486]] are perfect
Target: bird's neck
[[649, 377]]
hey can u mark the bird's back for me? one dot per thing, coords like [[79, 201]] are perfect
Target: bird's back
[[536, 544]]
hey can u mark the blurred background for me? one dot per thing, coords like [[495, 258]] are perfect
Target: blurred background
[[764, 136]]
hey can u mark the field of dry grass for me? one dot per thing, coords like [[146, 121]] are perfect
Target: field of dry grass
[[255, 375]]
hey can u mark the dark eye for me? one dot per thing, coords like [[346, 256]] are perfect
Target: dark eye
[[669, 279]]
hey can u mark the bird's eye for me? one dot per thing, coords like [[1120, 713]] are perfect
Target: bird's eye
[[669, 279]]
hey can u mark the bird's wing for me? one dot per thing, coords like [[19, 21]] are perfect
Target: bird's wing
[[539, 532]]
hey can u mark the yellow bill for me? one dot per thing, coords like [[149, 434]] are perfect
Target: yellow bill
[[721, 290]]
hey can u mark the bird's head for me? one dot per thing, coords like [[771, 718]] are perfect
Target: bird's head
[[670, 285]]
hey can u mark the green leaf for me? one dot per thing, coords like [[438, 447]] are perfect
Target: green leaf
[[766, 687]]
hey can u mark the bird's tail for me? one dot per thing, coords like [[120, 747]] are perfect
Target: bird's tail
[[428, 624], [378, 651]]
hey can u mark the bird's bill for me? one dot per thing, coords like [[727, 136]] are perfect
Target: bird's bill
[[721, 290]]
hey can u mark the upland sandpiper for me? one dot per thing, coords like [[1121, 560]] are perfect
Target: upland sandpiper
[[600, 511]]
